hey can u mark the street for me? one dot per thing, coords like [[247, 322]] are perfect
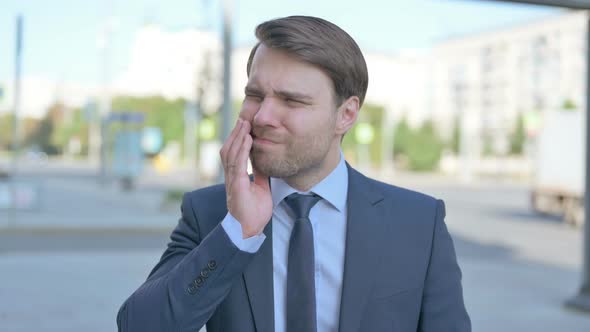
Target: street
[[69, 265]]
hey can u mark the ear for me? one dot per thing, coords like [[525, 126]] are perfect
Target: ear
[[347, 115]]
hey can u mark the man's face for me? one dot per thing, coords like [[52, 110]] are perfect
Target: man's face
[[291, 107]]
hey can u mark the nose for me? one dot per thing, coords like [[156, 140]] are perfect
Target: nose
[[268, 113]]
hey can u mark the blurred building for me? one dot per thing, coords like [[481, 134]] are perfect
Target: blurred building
[[481, 82], [173, 64], [486, 80], [400, 83]]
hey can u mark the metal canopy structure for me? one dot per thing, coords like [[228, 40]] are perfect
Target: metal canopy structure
[[582, 300], [571, 4]]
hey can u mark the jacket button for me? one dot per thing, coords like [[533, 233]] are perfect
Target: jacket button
[[212, 265], [199, 281], [191, 290], [204, 273]]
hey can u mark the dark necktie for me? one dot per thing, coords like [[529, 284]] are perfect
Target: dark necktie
[[301, 301]]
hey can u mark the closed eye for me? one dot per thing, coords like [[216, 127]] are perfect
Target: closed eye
[[253, 97], [295, 102]]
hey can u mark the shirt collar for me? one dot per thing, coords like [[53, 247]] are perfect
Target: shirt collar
[[333, 188]]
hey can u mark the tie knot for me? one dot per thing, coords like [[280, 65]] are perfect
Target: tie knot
[[301, 204]]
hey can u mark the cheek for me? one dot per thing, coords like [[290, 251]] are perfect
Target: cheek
[[312, 131], [249, 109]]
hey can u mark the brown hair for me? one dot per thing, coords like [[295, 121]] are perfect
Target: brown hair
[[320, 43]]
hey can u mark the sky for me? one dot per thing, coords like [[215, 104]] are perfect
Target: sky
[[61, 36]]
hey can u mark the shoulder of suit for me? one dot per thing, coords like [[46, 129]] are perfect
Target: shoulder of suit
[[403, 201], [208, 197], [390, 191], [215, 190]]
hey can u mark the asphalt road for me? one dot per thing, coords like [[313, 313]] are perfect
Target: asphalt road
[[69, 265]]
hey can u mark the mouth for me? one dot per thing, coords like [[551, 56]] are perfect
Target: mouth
[[262, 139]]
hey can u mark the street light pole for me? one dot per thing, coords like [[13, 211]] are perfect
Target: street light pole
[[105, 100], [582, 300], [17, 86], [190, 129], [226, 112]]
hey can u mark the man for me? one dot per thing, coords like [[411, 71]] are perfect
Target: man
[[307, 243]]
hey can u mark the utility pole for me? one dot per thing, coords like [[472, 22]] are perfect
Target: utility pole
[[15, 119], [190, 133], [105, 100], [582, 300], [17, 93], [388, 124], [226, 112], [92, 112]]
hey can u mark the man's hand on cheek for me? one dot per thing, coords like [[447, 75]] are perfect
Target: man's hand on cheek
[[249, 202]]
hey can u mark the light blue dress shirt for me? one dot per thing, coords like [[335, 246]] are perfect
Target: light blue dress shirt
[[328, 220]]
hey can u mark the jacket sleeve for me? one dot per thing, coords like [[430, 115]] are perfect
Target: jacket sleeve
[[191, 279], [443, 309]]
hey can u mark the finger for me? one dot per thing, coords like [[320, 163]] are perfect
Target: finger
[[261, 179], [234, 150], [243, 154], [229, 142], [230, 139], [224, 150]]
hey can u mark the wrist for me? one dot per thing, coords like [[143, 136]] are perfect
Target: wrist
[[250, 233]]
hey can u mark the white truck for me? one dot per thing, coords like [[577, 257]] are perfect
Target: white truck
[[559, 166]]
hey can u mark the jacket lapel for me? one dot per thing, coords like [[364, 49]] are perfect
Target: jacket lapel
[[259, 284], [363, 244]]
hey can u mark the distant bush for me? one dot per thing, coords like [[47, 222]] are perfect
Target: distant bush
[[421, 148], [569, 105]]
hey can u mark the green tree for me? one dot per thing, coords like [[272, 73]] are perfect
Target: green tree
[[69, 125], [6, 131], [373, 114], [488, 144], [424, 148], [27, 126], [41, 137], [518, 137], [168, 115], [44, 135], [455, 143], [401, 137]]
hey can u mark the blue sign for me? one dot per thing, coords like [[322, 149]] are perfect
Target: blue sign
[[127, 154], [126, 117]]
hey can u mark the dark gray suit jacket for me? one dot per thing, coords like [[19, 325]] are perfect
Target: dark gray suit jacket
[[400, 271]]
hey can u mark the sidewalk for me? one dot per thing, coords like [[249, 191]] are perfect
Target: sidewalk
[[70, 264], [84, 204]]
